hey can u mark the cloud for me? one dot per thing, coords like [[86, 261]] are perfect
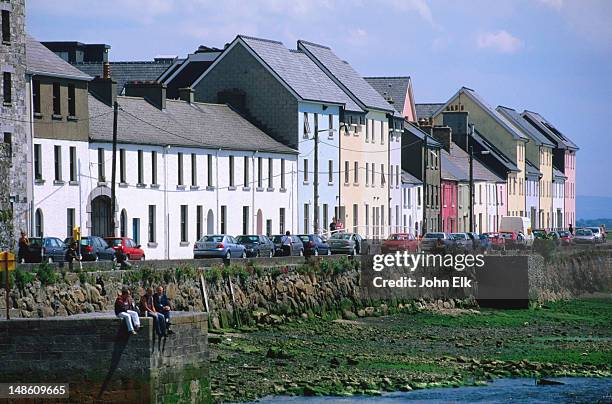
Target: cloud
[[358, 37], [499, 41], [419, 6]]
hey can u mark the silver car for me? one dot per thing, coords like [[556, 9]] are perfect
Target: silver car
[[218, 246], [597, 233], [584, 236]]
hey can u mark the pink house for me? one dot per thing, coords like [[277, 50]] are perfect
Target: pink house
[[449, 205]]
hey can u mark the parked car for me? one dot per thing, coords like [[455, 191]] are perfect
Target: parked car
[[513, 240], [565, 237], [539, 233], [314, 245], [484, 243], [257, 246], [347, 243], [45, 249], [497, 241], [554, 236], [297, 247], [128, 246], [94, 248], [462, 242], [218, 246], [399, 242], [597, 233], [437, 241], [584, 236], [475, 237]]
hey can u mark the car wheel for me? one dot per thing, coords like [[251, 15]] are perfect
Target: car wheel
[[228, 255], [258, 253], [316, 252], [244, 254], [271, 253], [301, 253]]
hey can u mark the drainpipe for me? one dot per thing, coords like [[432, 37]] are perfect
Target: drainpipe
[[253, 192], [217, 187], [30, 190], [166, 214]]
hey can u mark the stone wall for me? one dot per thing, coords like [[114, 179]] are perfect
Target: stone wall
[[102, 363]]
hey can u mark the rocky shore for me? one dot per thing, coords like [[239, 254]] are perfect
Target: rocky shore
[[414, 348]]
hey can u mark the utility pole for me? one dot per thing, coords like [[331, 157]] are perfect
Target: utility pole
[[114, 170], [424, 164], [316, 175]]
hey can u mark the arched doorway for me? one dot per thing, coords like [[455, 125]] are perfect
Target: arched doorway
[[259, 222], [123, 220], [39, 226], [210, 222], [101, 216]]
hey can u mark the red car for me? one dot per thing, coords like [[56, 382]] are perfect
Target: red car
[[565, 237], [513, 240], [399, 242], [497, 241], [129, 247]]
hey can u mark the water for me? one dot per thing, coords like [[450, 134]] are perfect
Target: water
[[575, 390]]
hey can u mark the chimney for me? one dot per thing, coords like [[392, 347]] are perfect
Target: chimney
[[444, 135], [425, 126], [186, 94], [152, 91], [458, 122], [106, 70], [105, 89]]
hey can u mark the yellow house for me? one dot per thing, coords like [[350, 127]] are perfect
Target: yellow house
[[501, 133]]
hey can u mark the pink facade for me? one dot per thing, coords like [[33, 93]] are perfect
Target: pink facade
[[502, 203], [449, 205], [569, 215]]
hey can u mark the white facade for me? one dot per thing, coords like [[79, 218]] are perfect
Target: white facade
[[532, 200], [558, 212], [412, 208], [162, 215]]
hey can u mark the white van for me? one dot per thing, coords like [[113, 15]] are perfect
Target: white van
[[517, 224]]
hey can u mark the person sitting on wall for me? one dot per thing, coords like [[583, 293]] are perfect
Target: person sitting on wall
[[123, 310], [121, 258], [24, 247], [162, 305], [286, 243], [332, 226], [148, 307], [71, 254]]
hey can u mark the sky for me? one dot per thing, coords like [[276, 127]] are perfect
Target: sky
[[549, 56]]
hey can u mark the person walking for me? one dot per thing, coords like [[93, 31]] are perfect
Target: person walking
[[286, 243], [162, 305], [24, 247], [148, 307], [332, 226], [571, 229], [123, 310]]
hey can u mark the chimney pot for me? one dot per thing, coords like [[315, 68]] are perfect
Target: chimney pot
[[152, 91], [106, 71]]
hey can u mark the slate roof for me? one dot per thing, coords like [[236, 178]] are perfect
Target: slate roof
[[179, 124], [495, 152], [474, 96], [531, 169], [299, 73], [557, 174], [520, 122], [450, 171], [122, 72], [408, 178], [393, 89], [426, 111], [548, 129], [343, 73], [40, 60], [461, 159], [416, 131]]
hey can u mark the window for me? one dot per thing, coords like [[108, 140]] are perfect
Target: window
[[101, 166], [6, 26], [382, 174], [210, 170], [282, 173], [306, 218], [419, 196], [330, 171], [231, 171], [57, 104], [123, 223], [270, 173], [39, 223], [194, 170], [245, 220], [306, 126], [246, 172], [57, 152], [330, 125], [73, 164], [70, 221], [154, 167], [180, 168], [152, 235], [281, 220], [367, 220], [397, 176], [184, 222], [305, 170], [36, 95], [356, 173], [346, 172], [122, 178], [7, 86], [382, 132], [259, 172], [325, 216], [71, 100], [268, 227], [391, 175], [367, 139], [199, 218], [355, 218], [223, 219], [140, 167]]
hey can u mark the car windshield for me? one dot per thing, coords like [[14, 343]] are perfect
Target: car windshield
[[506, 235], [304, 238], [341, 236], [564, 233], [595, 230], [114, 242], [434, 235], [398, 237], [36, 241], [584, 232], [247, 239], [215, 239], [277, 239], [458, 236]]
